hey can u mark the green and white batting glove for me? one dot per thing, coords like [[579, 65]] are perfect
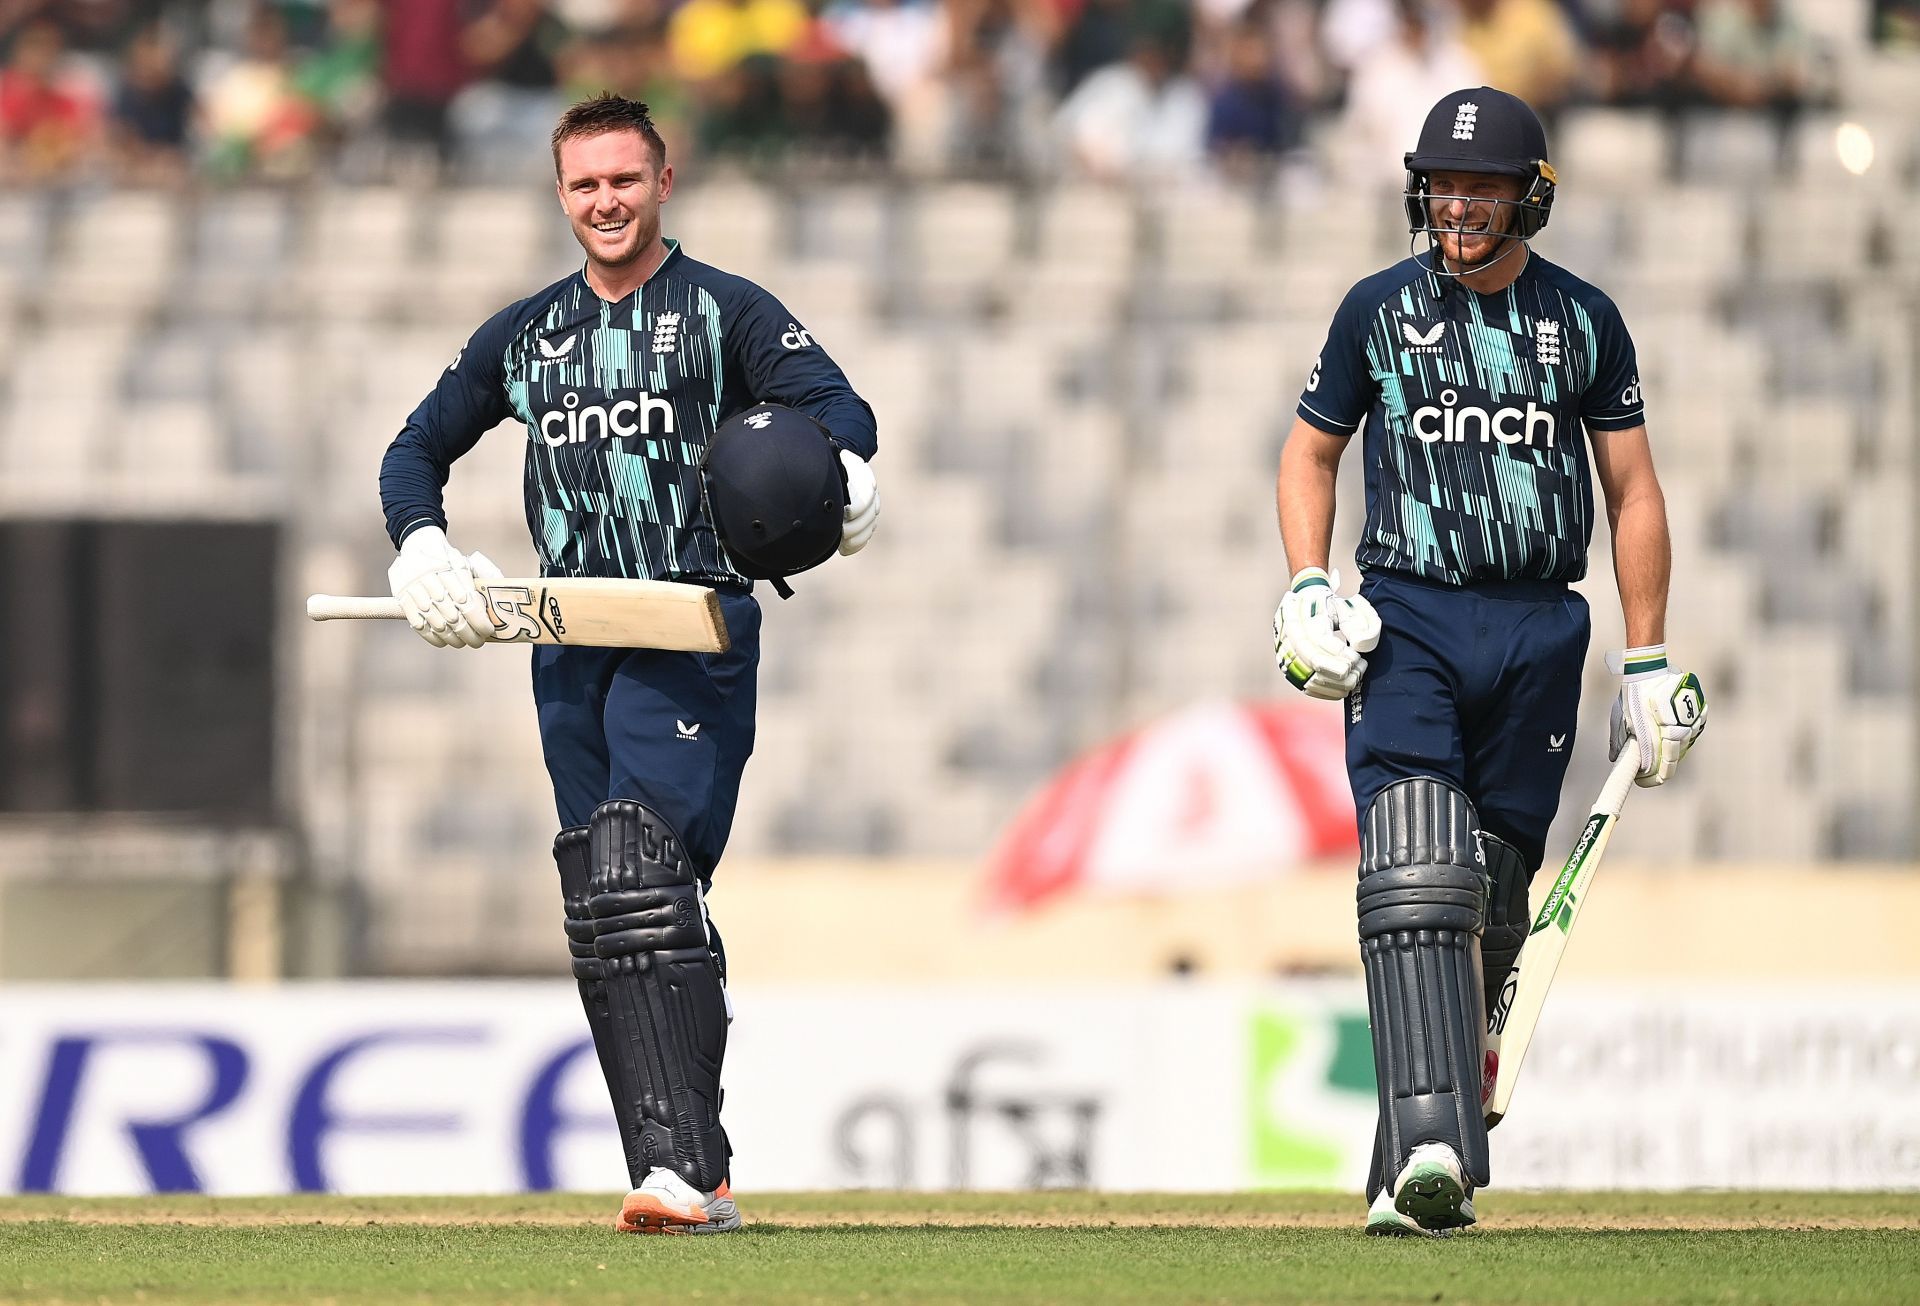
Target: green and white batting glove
[[1319, 635], [1660, 710]]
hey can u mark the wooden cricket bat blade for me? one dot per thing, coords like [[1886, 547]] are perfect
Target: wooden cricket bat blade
[[1515, 1016], [576, 610]]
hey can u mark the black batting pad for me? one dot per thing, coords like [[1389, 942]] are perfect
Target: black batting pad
[[1422, 904]]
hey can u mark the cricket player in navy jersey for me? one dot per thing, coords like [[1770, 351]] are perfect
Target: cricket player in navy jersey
[[1494, 389], [620, 375]]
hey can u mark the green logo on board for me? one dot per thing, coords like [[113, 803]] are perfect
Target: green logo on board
[[1291, 1063]]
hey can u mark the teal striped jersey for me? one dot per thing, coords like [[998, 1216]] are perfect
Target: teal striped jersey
[[617, 400], [1476, 410]]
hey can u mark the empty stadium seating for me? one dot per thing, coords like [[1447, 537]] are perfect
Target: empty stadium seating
[[1081, 397]]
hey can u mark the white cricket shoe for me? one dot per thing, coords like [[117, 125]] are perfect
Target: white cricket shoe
[[1383, 1221], [1432, 1190], [666, 1203]]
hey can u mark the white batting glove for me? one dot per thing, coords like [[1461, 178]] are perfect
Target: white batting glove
[[1659, 710], [1355, 619], [434, 583], [863, 504], [1319, 635]]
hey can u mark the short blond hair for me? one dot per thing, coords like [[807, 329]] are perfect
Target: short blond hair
[[607, 112]]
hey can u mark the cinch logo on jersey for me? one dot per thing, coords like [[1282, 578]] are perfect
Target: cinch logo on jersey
[[1451, 424], [577, 425], [1631, 395], [797, 337]]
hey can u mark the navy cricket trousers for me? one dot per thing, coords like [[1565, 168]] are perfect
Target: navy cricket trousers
[[670, 730], [1478, 686]]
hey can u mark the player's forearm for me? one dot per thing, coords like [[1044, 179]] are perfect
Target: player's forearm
[[849, 420], [822, 391], [1304, 494], [1643, 564], [412, 480], [784, 364]]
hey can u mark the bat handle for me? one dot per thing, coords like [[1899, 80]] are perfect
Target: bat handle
[[335, 607], [1613, 794]]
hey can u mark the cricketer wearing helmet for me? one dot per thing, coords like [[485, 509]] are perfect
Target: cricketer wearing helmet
[[1493, 388], [622, 377]]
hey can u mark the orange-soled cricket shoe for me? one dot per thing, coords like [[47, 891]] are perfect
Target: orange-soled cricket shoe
[[666, 1203]]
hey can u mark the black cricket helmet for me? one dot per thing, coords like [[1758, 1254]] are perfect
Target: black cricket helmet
[[1482, 130], [776, 490]]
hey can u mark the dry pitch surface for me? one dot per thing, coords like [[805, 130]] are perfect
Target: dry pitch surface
[[881, 1247]]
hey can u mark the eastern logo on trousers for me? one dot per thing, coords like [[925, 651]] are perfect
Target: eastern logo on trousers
[[1556, 743], [687, 731], [1423, 342]]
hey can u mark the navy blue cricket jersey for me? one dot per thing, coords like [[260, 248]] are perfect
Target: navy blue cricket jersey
[[1476, 463], [619, 400]]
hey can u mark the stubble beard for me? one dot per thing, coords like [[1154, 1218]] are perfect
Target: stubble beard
[[1453, 245], [640, 239]]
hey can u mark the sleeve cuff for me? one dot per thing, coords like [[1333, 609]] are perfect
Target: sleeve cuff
[[414, 522], [1617, 421], [1320, 421]]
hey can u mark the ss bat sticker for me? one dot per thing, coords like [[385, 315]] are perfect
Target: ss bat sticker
[[512, 623]]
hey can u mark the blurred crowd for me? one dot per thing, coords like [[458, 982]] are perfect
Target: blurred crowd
[[158, 91]]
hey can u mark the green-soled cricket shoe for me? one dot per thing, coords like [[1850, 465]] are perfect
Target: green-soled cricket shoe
[[1431, 1190], [1383, 1221]]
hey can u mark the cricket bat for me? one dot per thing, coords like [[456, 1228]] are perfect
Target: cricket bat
[[1516, 1015], [574, 610]]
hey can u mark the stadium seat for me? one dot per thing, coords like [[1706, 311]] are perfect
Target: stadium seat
[[242, 233], [1725, 148], [1601, 151], [959, 226], [1815, 231], [1082, 226], [1689, 241], [353, 228], [1818, 160], [24, 229], [175, 442], [844, 222], [730, 224]]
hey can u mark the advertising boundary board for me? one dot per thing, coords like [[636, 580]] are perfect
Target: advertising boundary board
[[401, 1087]]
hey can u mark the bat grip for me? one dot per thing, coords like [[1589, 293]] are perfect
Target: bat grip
[[335, 607], [1613, 794]]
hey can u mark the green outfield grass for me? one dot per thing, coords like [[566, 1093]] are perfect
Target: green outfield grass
[[874, 1247]]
